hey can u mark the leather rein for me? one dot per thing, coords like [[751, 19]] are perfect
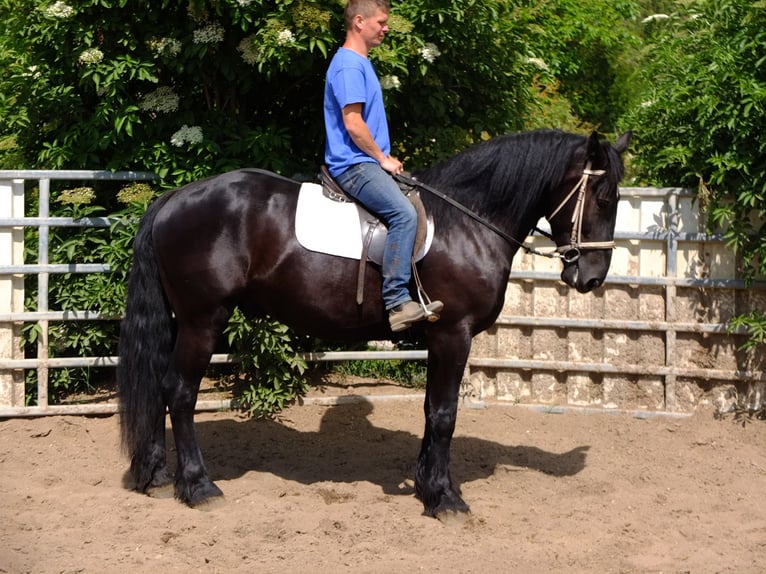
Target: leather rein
[[569, 252]]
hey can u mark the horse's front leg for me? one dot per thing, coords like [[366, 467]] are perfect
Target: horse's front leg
[[447, 356]]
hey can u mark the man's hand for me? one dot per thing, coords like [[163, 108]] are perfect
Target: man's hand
[[392, 165]]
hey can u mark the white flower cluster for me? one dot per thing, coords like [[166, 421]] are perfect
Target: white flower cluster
[[59, 10], [32, 72], [429, 52], [390, 83], [161, 46], [244, 3], [539, 63], [654, 18], [210, 34], [162, 100], [187, 134], [77, 196], [248, 50], [135, 193], [285, 37], [91, 56]]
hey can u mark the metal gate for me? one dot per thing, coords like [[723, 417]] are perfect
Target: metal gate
[[656, 228]]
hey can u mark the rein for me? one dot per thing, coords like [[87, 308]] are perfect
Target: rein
[[569, 253]]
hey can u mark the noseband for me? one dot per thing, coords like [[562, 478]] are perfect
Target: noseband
[[571, 252]]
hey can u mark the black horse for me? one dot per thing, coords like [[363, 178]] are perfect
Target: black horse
[[228, 241]]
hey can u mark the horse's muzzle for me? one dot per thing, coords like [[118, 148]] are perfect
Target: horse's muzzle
[[584, 274]]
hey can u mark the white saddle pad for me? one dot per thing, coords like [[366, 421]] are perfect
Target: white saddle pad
[[333, 227]]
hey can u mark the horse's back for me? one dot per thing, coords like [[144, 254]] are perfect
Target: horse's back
[[208, 233], [201, 210]]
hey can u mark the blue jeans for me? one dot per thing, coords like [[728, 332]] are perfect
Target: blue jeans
[[377, 191]]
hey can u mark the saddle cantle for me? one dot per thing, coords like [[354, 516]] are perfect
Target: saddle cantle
[[329, 221]]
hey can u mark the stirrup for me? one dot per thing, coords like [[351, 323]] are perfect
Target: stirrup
[[432, 309]]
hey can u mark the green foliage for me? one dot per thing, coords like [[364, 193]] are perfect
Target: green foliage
[[189, 89], [582, 51], [703, 116], [407, 373], [755, 323], [113, 84], [194, 88], [11, 156], [103, 292], [458, 72], [274, 371]]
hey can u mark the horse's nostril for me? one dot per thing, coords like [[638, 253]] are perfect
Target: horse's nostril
[[593, 284]]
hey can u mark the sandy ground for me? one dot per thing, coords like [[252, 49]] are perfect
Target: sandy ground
[[329, 489]]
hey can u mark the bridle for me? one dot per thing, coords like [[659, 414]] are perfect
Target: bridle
[[569, 252]]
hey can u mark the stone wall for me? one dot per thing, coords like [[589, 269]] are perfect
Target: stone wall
[[654, 337]]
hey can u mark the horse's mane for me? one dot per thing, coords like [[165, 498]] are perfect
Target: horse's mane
[[507, 174]]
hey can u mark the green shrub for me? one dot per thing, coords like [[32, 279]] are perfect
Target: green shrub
[[272, 368], [702, 120]]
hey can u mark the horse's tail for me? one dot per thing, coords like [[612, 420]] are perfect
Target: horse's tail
[[146, 342]]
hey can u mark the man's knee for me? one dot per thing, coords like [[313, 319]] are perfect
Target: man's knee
[[408, 214]]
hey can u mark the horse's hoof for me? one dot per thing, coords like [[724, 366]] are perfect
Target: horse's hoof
[[199, 495], [453, 518], [160, 491], [209, 504]]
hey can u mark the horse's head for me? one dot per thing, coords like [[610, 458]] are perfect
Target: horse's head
[[582, 223]]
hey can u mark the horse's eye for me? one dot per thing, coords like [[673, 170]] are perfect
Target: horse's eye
[[604, 202], [606, 198]]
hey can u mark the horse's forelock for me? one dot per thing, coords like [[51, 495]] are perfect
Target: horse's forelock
[[614, 171]]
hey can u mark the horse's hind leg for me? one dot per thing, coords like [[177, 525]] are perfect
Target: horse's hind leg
[[194, 347], [148, 466]]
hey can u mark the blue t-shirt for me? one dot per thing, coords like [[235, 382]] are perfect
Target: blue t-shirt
[[351, 79]]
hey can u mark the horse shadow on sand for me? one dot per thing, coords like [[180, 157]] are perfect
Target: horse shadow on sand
[[349, 448]]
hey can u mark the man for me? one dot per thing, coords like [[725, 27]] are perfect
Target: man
[[357, 154]]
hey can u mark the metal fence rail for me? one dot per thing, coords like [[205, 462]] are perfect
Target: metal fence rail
[[12, 190], [12, 271], [674, 229]]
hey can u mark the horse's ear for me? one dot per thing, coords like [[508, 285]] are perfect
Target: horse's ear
[[594, 147], [621, 145], [595, 152]]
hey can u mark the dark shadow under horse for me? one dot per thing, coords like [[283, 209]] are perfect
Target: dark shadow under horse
[[229, 241]]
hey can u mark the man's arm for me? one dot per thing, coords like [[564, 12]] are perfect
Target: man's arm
[[360, 133]]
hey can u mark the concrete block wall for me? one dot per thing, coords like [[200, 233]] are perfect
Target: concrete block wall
[[655, 338]]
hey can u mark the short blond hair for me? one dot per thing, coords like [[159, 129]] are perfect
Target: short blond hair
[[365, 8]]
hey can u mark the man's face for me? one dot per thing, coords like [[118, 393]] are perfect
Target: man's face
[[374, 28]]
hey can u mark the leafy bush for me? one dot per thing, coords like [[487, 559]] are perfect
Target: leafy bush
[[272, 369], [583, 54], [702, 120], [190, 89], [407, 373], [103, 292]]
